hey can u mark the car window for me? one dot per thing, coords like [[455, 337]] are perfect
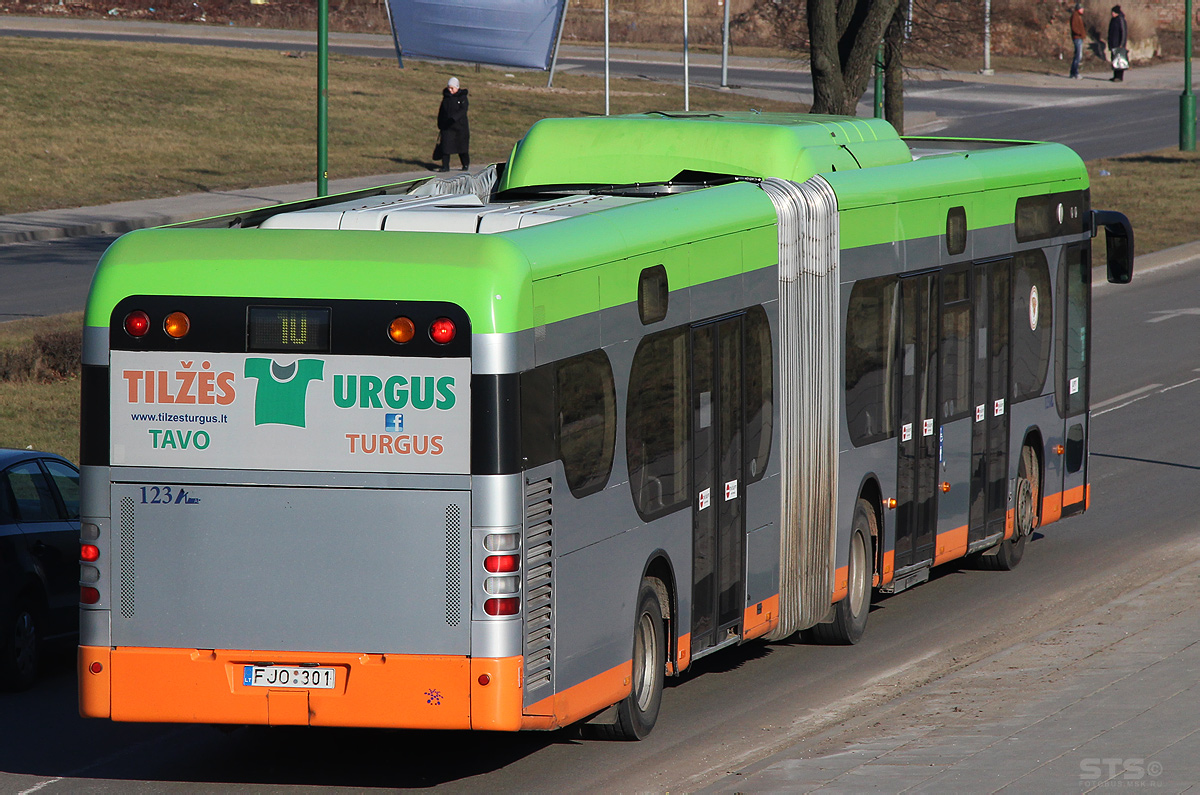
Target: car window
[[34, 501], [66, 477]]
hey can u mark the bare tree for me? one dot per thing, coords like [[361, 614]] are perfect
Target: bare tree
[[893, 70], [844, 36]]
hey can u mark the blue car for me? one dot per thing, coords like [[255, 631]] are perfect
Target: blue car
[[39, 559]]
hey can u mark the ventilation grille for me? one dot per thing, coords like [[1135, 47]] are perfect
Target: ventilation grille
[[453, 566], [126, 557], [539, 583]]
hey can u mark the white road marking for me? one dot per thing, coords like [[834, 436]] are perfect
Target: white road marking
[[1168, 314], [1138, 394], [1126, 396], [37, 787]]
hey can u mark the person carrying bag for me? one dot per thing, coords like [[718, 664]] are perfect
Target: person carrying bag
[[1118, 41]]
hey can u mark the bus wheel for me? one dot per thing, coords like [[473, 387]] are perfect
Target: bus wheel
[[1010, 551], [20, 646], [638, 712], [850, 614]]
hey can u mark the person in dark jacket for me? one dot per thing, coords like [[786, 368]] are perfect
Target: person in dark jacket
[[1118, 39], [452, 123]]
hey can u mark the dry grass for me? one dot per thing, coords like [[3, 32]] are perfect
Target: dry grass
[[89, 123], [41, 416], [1157, 191]]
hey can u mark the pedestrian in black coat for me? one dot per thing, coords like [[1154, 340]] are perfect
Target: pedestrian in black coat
[[452, 122], [1118, 41]]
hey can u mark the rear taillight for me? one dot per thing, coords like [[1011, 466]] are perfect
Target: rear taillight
[[137, 323], [507, 606], [442, 330], [501, 563], [89, 553], [504, 558]]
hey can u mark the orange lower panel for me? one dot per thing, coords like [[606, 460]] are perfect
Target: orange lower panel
[[684, 656], [582, 700], [760, 618], [371, 690], [1053, 504], [950, 545], [889, 569], [841, 584]]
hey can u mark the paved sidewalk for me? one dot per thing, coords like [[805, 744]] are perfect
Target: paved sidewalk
[[127, 216], [1109, 701]]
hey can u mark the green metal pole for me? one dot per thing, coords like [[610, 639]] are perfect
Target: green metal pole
[[1187, 100], [322, 97], [879, 82]]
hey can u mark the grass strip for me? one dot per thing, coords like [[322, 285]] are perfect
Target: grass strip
[[89, 123]]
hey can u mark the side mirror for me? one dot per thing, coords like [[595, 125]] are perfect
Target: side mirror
[[1118, 234]]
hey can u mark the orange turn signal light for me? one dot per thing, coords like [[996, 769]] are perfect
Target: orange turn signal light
[[890, 503], [945, 487], [402, 330], [177, 325], [1058, 448]]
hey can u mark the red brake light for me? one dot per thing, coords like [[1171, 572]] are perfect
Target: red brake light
[[507, 606], [442, 330], [137, 323], [89, 552], [96, 667], [500, 563], [88, 595]]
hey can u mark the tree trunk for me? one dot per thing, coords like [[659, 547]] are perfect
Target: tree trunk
[[893, 71], [844, 35]]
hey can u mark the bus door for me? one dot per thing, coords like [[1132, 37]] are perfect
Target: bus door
[[989, 430], [916, 390], [955, 407], [1075, 288], [717, 463]]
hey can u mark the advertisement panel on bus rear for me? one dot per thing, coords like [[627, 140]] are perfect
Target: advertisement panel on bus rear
[[287, 412]]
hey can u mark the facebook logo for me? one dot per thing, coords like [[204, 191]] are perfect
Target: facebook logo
[[393, 423]]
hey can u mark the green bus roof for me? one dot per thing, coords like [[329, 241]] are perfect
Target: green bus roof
[[655, 147]]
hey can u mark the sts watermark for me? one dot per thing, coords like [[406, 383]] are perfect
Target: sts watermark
[[1117, 772]]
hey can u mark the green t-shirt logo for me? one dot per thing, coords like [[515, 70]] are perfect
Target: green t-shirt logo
[[282, 389]]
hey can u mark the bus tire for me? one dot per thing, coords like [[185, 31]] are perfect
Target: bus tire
[[20, 645], [1025, 515], [638, 712], [850, 614]]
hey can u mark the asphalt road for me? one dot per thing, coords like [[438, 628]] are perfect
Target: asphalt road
[[49, 277], [753, 700]]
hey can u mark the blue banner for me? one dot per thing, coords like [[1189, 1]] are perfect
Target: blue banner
[[501, 32]]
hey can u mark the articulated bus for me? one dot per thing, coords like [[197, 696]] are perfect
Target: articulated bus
[[504, 450]]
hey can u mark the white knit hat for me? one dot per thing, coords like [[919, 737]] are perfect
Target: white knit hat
[[453, 82]]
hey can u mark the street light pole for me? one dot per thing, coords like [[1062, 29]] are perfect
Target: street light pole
[[725, 46], [323, 97], [987, 38], [1187, 100]]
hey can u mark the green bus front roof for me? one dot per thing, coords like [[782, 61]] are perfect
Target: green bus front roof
[[654, 147]]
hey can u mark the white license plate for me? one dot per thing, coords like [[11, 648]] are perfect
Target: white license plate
[[283, 676]]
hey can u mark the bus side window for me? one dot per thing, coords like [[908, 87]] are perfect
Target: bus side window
[[870, 359], [1031, 324], [657, 426], [1074, 287], [568, 413], [956, 346], [587, 421], [759, 393]]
